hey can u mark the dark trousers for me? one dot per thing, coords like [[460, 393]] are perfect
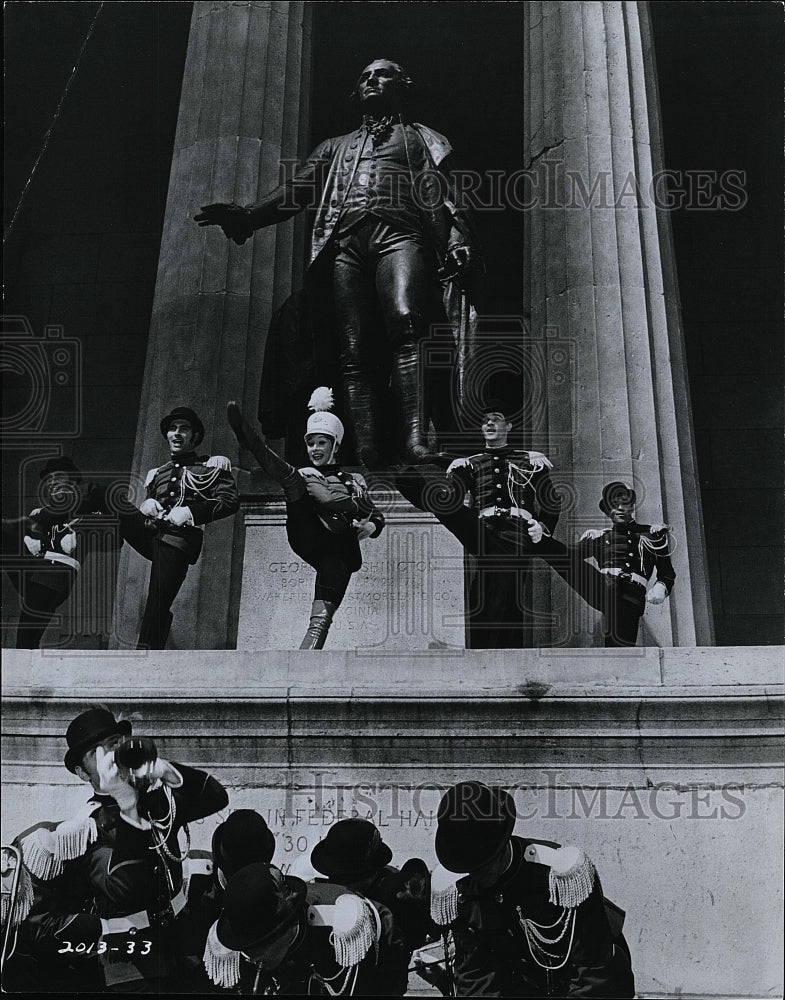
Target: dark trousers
[[621, 603], [382, 273], [168, 569], [496, 576], [334, 557]]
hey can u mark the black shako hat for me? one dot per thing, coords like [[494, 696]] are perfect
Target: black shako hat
[[242, 839], [352, 849], [259, 903], [88, 730], [62, 464], [184, 413], [614, 493], [474, 822]]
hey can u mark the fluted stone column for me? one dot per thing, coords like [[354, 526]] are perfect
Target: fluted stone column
[[600, 277], [244, 107]]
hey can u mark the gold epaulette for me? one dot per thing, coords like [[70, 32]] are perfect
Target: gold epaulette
[[218, 462], [571, 876], [357, 928], [45, 851], [221, 964], [23, 900], [444, 896]]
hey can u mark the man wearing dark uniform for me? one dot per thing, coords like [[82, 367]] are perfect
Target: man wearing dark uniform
[[509, 519], [528, 918], [186, 493], [55, 538], [353, 854], [383, 227], [110, 880], [628, 555], [277, 934]]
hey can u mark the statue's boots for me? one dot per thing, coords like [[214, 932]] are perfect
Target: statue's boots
[[273, 465], [407, 392], [321, 618]]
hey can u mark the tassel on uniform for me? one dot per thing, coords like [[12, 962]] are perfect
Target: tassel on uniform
[[45, 851], [356, 927], [221, 964], [23, 901], [444, 896], [571, 878]]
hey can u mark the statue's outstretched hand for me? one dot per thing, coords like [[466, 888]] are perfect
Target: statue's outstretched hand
[[234, 220]]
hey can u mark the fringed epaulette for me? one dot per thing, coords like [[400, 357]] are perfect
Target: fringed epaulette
[[538, 461], [219, 462], [356, 929], [444, 896], [46, 851], [150, 477], [23, 900], [221, 964], [572, 874]]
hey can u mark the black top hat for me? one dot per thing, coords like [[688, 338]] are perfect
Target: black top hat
[[242, 839], [614, 493], [259, 903], [88, 730], [353, 848], [184, 413], [62, 464], [474, 823]]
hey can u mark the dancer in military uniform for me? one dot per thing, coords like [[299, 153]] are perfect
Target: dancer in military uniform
[[384, 228], [184, 494], [528, 917], [328, 511], [110, 880], [513, 512], [277, 934], [54, 537], [628, 554], [353, 854]]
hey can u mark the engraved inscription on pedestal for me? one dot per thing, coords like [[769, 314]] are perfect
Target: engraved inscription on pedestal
[[408, 594]]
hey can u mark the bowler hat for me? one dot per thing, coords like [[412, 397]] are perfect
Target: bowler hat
[[240, 840], [474, 822], [258, 904], [613, 493], [88, 730], [353, 848], [184, 413], [61, 464]]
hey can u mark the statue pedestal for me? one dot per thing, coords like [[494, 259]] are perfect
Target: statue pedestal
[[407, 596]]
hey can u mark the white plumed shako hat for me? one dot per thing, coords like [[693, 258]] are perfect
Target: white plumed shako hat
[[321, 421]]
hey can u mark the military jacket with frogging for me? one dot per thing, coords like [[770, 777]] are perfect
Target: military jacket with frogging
[[507, 477], [204, 485], [633, 548], [493, 957]]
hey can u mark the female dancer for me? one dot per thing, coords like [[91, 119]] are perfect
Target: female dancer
[[328, 511]]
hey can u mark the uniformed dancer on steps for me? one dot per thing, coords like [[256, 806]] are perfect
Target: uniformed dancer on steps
[[328, 511]]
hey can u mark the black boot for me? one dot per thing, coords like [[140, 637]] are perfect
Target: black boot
[[407, 392], [321, 618], [275, 467], [362, 407]]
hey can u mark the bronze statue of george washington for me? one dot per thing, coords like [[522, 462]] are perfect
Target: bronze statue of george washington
[[391, 255]]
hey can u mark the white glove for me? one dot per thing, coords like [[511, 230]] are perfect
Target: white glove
[[68, 543], [457, 463], [535, 531], [591, 533], [33, 545], [151, 508], [110, 781], [180, 516], [657, 594], [364, 528]]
